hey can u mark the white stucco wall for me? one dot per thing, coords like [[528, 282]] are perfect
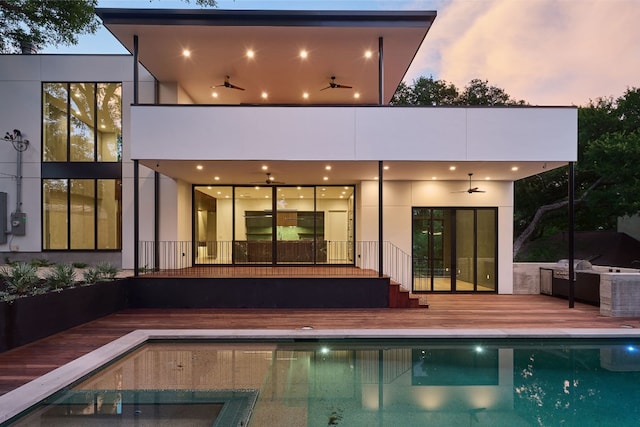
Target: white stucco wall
[[400, 197], [355, 133], [21, 78]]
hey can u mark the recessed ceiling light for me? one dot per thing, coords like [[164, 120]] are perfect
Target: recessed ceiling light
[[304, 54], [103, 127], [265, 167], [266, 197], [214, 94], [375, 177], [257, 187], [328, 167], [324, 189], [264, 95], [301, 196], [298, 188], [368, 54], [488, 178], [452, 168], [250, 53], [208, 187], [386, 168], [515, 168], [219, 192], [216, 178], [325, 178], [305, 95], [186, 53], [356, 95], [346, 188], [434, 178], [199, 167], [271, 178]]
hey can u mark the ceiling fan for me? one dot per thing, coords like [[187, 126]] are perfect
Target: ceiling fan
[[334, 85], [269, 181], [471, 189], [227, 84]]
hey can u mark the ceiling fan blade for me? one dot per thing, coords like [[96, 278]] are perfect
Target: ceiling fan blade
[[232, 86], [343, 86], [325, 88]]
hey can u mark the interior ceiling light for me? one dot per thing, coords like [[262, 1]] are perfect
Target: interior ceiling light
[[356, 95], [328, 167], [368, 54], [216, 178], [325, 178], [214, 94], [515, 168], [305, 95], [186, 53], [433, 178], [304, 54], [264, 95], [265, 167], [250, 54], [452, 168], [199, 167], [386, 168]]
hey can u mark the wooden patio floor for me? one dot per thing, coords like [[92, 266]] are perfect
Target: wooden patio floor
[[470, 311]]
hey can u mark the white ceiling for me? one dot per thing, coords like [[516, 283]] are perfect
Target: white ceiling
[[219, 49], [341, 173]]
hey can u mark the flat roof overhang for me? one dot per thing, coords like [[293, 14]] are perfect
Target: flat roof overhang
[[336, 42]]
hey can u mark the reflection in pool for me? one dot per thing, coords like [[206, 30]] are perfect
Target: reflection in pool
[[359, 383]]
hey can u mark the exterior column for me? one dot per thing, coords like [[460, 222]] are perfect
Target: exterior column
[[380, 71], [380, 222], [136, 217], [135, 70], [572, 281]]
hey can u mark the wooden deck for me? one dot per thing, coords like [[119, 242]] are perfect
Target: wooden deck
[[28, 362]]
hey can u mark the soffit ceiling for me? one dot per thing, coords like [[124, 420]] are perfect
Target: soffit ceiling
[[336, 47], [341, 173]]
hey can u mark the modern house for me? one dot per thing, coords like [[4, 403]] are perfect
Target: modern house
[[243, 138]]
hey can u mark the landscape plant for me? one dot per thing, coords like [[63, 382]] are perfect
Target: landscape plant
[[20, 278], [102, 272], [61, 276]]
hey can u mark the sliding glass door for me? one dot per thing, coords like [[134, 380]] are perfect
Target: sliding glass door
[[454, 249], [274, 224]]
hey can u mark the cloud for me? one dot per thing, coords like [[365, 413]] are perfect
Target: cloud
[[547, 52]]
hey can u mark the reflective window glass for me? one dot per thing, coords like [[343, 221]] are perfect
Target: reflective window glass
[[81, 122], [109, 122], [54, 214], [109, 208], [54, 122], [82, 214]]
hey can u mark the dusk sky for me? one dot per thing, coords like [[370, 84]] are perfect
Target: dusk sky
[[546, 52]]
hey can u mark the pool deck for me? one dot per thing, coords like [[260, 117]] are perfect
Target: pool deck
[[459, 316]]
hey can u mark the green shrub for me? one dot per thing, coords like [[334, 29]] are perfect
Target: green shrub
[[80, 264], [21, 278], [41, 262], [103, 272], [61, 276]]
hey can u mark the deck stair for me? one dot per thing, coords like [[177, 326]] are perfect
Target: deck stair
[[401, 298]]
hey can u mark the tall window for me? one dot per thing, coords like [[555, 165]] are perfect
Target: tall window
[[81, 171]]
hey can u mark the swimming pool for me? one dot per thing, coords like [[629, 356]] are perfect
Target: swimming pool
[[323, 381]]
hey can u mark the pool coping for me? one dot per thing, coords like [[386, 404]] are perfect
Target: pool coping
[[22, 398]]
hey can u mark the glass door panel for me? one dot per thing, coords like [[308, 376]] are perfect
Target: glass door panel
[[253, 242], [295, 225], [465, 250], [487, 250], [421, 228], [212, 221], [440, 259]]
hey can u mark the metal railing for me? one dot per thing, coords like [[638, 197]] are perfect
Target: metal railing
[[249, 259]]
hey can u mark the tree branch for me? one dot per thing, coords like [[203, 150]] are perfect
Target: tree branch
[[524, 236]]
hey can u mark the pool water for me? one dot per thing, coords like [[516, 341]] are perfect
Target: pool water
[[359, 383]]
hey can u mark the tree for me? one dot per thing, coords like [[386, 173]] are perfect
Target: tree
[[427, 91], [607, 175], [50, 22], [479, 92]]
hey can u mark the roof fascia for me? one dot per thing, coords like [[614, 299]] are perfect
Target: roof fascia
[[282, 18]]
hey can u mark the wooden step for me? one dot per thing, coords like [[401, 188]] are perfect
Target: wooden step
[[400, 298]]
